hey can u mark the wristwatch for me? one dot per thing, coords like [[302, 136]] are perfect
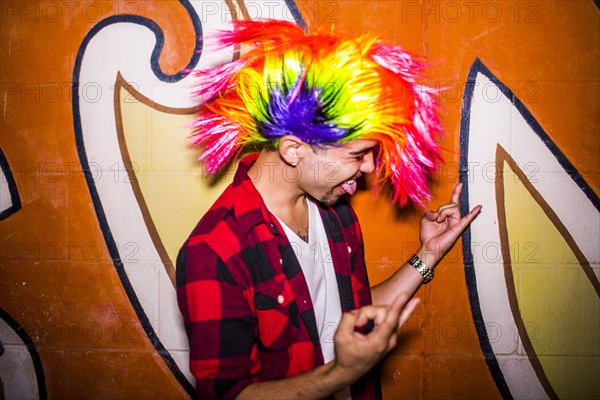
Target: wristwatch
[[423, 269]]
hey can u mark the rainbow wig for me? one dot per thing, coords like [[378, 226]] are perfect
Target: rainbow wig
[[325, 90]]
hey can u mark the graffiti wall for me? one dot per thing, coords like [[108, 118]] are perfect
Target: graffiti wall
[[99, 188]]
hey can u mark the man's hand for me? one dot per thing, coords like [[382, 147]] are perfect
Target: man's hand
[[441, 229], [356, 353]]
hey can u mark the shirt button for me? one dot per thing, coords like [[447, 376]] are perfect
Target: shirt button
[[349, 249], [280, 299]]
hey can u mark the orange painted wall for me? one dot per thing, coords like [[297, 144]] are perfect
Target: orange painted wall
[[548, 53], [56, 276]]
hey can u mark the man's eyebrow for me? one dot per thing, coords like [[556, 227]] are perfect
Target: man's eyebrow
[[362, 151]]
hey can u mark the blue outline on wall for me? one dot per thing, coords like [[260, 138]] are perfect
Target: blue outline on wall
[[12, 188], [108, 237], [476, 68], [35, 357]]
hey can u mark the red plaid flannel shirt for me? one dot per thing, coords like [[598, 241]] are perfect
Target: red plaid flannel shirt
[[246, 306]]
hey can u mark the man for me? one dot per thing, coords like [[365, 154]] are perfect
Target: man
[[272, 282]]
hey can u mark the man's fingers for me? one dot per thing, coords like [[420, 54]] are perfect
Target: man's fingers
[[367, 313], [391, 319], [408, 309], [467, 219], [347, 323], [444, 207], [387, 319], [399, 302], [448, 210], [431, 216], [392, 342], [456, 193]]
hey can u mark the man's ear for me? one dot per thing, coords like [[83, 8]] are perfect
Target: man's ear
[[291, 149]]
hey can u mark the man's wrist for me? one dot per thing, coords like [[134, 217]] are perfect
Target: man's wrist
[[422, 268], [430, 258], [343, 375]]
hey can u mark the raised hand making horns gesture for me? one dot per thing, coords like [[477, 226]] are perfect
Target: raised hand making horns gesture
[[440, 229]]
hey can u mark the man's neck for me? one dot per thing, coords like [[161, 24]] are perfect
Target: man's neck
[[282, 196]]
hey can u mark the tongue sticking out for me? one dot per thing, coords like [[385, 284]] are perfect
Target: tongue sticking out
[[349, 188]]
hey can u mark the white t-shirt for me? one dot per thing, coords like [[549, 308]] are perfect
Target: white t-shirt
[[317, 266]]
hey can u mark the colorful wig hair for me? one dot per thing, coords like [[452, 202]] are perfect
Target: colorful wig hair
[[325, 90]]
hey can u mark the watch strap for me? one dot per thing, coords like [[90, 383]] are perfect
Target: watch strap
[[423, 269]]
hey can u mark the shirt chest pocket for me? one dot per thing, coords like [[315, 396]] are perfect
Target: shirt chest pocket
[[277, 315]]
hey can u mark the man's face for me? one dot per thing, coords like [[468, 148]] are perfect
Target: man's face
[[330, 173]]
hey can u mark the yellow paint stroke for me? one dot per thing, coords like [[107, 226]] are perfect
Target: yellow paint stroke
[[559, 306], [173, 185]]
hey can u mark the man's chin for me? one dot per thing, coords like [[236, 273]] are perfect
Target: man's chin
[[330, 199]]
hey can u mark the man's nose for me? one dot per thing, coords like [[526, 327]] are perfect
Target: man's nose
[[368, 164]]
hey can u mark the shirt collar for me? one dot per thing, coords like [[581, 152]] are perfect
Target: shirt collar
[[249, 207]]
